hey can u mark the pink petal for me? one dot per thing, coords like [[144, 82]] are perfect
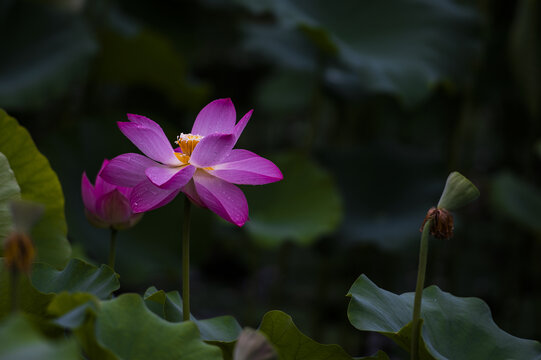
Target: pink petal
[[190, 191], [126, 191], [145, 122], [245, 167], [95, 220], [167, 200], [87, 192], [147, 196], [225, 199], [114, 208], [238, 155], [151, 142], [217, 117], [241, 125], [212, 149], [102, 186], [127, 169], [167, 177]]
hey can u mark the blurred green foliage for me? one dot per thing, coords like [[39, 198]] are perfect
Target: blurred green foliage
[[369, 105], [21, 341], [38, 183]]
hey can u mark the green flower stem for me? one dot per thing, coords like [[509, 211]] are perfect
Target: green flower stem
[[186, 262], [112, 247], [423, 252], [13, 280]]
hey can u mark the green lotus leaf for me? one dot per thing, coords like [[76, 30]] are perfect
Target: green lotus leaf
[[19, 340], [35, 294], [224, 329], [291, 344], [77, 312], [9, 190], [77, 276], [38, 183], [454, 327], [314, 206], [71, 309], [127, 328]]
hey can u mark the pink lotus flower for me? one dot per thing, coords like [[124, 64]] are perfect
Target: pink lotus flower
[[107, 205], [204, 166]]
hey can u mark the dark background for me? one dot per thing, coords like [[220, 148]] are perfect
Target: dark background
[[366, 106]]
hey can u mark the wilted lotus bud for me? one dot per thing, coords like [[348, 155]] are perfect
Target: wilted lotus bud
[[19, 252], [108, 205], [442, 223]]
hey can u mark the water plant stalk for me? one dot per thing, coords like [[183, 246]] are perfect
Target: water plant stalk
[[14, 279], [423, 254], [112, 248], [186, 261]]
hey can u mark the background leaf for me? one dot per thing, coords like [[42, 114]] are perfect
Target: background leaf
[[380, 355], [169, 307], [301, 208], [77, 313], [63, 41], [39, 183], [404, 52], [526, 53], [291, 344], [517, 200], [375, 309], [31, 300], [20, 341], [9, 190], [141, 57], [77, 276]]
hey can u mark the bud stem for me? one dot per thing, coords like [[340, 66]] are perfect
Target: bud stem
[[423, 252], [186, 261], [112, 248], [13, 279]]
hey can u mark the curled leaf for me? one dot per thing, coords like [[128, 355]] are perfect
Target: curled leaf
[[458, 192]]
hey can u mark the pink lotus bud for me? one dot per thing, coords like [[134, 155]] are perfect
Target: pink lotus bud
[[108, 205]]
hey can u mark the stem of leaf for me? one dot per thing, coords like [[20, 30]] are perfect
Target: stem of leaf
[[423, 253], [112, 247], [13, 279], [186, 261]]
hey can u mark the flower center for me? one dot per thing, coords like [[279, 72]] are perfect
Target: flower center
[[187, 143]]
